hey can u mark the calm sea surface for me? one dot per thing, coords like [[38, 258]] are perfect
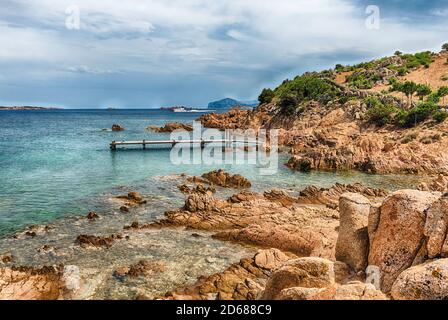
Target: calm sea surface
[[55, 164]]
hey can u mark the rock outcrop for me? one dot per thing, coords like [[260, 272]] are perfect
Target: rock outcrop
[[352, 246], [170, 127], [117, 127], [132, 199], [224, 179], [25, 283], [254, 219], [229, 120]]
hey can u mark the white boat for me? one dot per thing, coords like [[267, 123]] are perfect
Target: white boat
[[180, 109]]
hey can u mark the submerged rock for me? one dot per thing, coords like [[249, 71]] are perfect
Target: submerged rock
[[6, 257], [92, 215], [97, 241], [241, 281], [146, 268]]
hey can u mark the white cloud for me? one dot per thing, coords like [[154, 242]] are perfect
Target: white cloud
[[199, 37]]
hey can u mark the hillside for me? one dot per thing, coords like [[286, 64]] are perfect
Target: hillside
[[382, 116]]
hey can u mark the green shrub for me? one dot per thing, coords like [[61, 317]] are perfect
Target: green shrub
[[423, 90], [308, 87], [381, 114], [339, 68], [433, 98], [440, 116], [266, 96], [413, 61], [445, 47], [419, 113], [288, 103]]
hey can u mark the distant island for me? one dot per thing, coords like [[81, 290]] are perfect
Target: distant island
[[29, 108], [228, 103]]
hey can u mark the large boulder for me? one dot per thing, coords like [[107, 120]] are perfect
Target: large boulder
[[396, 230], [306, 272], [352, 246], [428, 281]]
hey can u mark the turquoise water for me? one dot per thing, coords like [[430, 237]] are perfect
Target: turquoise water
[[53, 163]]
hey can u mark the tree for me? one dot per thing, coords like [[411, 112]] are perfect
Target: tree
[[408, 88], [442, 93], [398, 53], [445, 47], [423, 90], [266, 96]]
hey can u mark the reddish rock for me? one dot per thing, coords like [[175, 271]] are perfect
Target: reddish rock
[[92, 215], [170, 127], [117, 127], [224, 179], [97, 241]]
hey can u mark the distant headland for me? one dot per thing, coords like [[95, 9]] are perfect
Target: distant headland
[[29, 108]]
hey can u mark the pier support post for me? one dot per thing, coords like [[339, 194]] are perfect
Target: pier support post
[[113, 146], [144, 144]]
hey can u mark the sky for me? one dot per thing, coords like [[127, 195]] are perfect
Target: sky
[[153, 53]]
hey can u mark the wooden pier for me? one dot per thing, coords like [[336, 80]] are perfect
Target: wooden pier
[[172, 143]]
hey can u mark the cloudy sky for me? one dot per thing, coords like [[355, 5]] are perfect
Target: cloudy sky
[[151, 53]]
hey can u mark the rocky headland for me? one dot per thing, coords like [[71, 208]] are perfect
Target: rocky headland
[[369, 117]]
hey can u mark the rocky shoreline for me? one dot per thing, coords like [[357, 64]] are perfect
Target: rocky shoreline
[[320, 243]]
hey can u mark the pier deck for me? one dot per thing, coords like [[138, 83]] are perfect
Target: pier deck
[[172, 143]]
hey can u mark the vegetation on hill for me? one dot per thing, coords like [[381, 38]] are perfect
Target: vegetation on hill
[[367, 74], [422, 103]]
